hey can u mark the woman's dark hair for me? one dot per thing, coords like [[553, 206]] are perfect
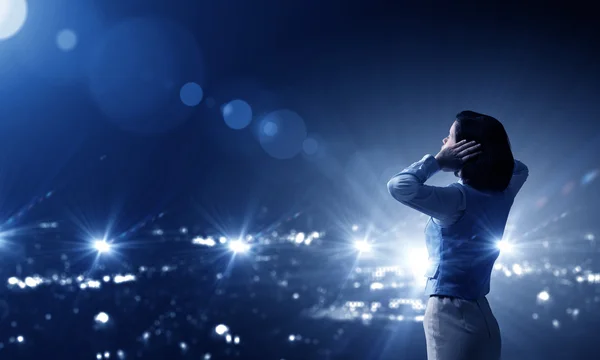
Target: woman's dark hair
[[492, 169]]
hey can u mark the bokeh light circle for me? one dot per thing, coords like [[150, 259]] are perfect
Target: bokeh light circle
[[13, 14], [137, 71], [191, 94], [66, 40], [270, 128], [310, 146], [237, 114], [282, 133], [4, 9]]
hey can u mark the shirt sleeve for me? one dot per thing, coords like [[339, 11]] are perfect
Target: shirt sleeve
[[520, 175], [441, 203]]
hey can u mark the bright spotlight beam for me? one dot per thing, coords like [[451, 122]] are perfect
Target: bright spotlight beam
[[504, 246], [362, 246], [239, 246], [102, 246], [418, 261]]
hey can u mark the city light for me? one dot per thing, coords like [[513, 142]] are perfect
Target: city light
[[417, 260], [504, 246], [239, 246], [362, 246], [102, 246]]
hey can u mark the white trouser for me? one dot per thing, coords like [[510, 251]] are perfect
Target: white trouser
[[457, 329]]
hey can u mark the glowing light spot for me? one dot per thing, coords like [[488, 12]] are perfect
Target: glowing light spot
[[517, 269], [418, 261], [300, 237], [102, 246], [376, 286], [94, 284], [101, 318], [123, 278], [33, 281], [504, 246], [239, 246], [205, 242], [221, 329], [362, 246], [157, 232], [20, 338], [191, 94], [66, 40], [543, 296], [590, 237]]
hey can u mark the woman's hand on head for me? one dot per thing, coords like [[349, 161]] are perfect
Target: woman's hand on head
[[454, 157]]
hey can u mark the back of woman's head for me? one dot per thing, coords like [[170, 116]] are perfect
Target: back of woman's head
[[492, 169]]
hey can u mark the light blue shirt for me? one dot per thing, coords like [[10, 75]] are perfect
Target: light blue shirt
[[444, 204], [464, 228]]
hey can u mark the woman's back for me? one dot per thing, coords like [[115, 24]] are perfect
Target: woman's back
[[462, 254], [467, 222], [465, 227]]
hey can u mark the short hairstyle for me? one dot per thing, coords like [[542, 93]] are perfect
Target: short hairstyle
[[492, 169]]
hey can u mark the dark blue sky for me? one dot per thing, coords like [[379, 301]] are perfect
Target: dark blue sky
[[377, 83]]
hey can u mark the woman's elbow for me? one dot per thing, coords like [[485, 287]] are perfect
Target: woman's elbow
[[400, 190], [391, 186]]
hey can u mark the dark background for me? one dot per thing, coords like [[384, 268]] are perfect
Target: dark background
[[377, 84]]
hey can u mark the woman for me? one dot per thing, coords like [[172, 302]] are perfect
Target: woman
[[467, 220]]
